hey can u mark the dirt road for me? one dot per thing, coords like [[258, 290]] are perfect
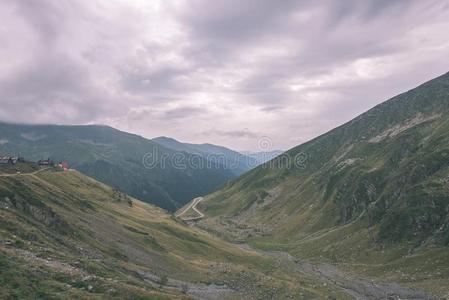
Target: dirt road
[[193, 207]]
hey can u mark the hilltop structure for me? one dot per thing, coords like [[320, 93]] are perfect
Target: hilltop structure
[[63, 165], [10, 160]]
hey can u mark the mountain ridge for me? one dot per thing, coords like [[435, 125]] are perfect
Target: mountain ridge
[[379, 181], [234, 161], [130, 162]]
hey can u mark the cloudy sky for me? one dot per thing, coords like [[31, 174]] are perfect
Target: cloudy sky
[[221, 71]]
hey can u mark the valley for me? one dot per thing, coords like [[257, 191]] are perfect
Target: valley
[[328, 274], [372, 198], [79, 238]]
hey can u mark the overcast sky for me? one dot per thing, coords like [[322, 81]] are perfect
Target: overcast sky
[[221, 71]]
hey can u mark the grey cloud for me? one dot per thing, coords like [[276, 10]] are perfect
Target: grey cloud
[[231, 134], [168, 114], [222, 64], [184, 112], [236, 20], [225, 23], [44, 16], [54, 88], [364, 11], [238, 27], [168, 79], [52, 83]]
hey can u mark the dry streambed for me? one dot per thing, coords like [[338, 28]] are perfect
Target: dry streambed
[[197, 290], [357, 287]]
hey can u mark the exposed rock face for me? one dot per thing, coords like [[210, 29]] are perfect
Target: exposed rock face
[[399, 128]]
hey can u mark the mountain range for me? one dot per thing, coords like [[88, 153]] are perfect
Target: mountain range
[[150, 170], [234, 161]]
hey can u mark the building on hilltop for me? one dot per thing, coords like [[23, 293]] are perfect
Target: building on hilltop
[[5, 160], [64, 165], [9, 160]]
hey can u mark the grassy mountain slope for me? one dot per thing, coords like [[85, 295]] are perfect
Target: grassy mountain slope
[[373, 193], [64, 235], [231, 160], [116, 158]]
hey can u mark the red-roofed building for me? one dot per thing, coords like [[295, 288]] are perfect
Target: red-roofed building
[[64, 165]]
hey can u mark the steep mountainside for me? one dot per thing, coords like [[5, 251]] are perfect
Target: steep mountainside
[[140, 167], [231, 160], [375, 190], [66, 236]]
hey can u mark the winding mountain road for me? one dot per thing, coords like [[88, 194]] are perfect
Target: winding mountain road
[[193, 207]]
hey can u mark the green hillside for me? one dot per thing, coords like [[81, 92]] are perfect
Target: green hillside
[[371, 195], [117, 159], [64, 235]]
